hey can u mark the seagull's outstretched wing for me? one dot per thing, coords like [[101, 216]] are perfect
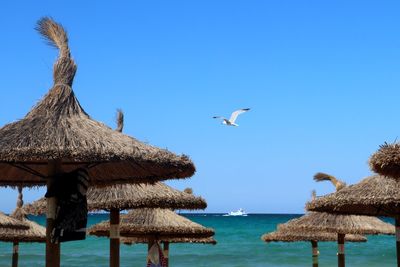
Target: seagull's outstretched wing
[[236, 113], [225, 120], [218, 117]]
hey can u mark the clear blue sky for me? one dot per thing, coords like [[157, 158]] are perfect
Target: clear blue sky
[[322, 79]]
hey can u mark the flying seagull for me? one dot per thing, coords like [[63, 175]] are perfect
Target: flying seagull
[[232, 119]]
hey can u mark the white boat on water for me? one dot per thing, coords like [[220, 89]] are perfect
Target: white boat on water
[[239, 212]]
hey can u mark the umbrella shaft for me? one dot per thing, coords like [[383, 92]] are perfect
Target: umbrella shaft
[[341, 262], [15, 255], [397, 222], [52, 250], [314, 245], [114, 238], [166, 253]]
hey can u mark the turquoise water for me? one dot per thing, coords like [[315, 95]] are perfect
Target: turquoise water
[[239, 244]]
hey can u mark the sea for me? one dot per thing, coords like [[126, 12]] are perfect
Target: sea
[[239, 244]]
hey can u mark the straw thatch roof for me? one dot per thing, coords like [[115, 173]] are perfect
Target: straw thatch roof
[[163, 223], [37, 207], [375, 195], [131, 196], [34, 233], [386, 161], [298, 236], [341, 224], [143, 240], [58, 128], [11, 223], [144, 195]]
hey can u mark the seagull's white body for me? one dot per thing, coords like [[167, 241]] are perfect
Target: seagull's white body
[[228, 122], [232, 119]]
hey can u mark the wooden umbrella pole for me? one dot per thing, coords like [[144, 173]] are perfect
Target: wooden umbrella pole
[[114, 238], [397, 223], [52, 250], [15, 254], [166, 253], [315, 252], [341, 262]]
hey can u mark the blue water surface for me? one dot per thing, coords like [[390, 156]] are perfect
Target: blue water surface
[[239, 245]]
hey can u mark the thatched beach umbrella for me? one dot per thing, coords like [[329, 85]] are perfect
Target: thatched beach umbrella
[[153, 225], [58, 129], [7, 222], [144, 195], [9, 228], [131, 196], [386, 161], [33, 233], [340, 224], [307, 236], [57, 135], [160, 222], [375, 196]]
